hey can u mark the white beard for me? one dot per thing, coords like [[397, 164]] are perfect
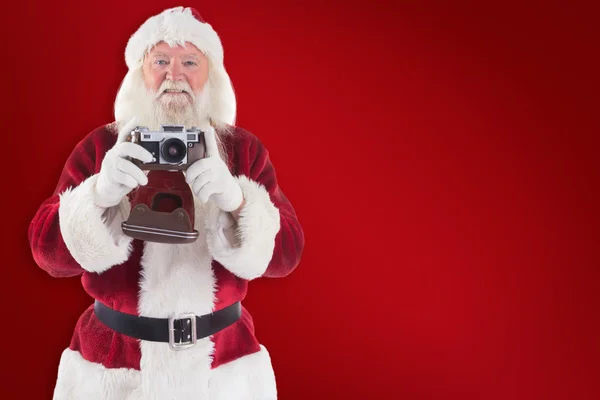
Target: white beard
[[135, 100]]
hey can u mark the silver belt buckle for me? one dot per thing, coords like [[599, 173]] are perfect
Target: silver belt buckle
[[187, 335]]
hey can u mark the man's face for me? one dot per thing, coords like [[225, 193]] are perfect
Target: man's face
[[173, 72]]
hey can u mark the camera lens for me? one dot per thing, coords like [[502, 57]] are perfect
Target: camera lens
[[173, 150]]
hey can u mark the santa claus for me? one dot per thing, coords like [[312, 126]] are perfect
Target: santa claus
[[134, 341]]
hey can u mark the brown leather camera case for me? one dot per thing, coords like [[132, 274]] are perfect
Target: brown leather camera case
[[163, 210]]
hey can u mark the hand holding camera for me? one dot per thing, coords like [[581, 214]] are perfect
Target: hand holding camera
[[181, 162], [210, 178], [174, 148], [118, 175]]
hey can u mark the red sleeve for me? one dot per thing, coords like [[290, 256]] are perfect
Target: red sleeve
[[69, 234], [289, 241], [270, 239]]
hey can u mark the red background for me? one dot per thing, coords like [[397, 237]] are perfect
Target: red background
[[442, 160]]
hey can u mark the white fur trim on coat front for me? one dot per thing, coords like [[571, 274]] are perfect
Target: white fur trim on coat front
[[176, 279], [93, 234], [80, 379], [245, 248], [248, 378]]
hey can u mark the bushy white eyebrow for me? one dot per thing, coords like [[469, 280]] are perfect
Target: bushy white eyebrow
[[159, 54]]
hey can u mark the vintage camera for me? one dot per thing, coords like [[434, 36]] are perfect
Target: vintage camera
[[174, 147]]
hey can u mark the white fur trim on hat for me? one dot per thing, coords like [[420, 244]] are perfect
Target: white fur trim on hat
[[174, 26]]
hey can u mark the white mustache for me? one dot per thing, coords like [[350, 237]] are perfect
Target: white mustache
[[176, 86]]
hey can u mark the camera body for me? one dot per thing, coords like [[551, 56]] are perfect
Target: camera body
[[174, 147]]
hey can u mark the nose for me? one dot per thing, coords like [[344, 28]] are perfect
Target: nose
[[174, 71]]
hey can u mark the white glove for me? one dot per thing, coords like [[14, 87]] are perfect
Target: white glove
[[119, 176], [210, 178]]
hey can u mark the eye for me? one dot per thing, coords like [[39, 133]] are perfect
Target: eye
[[160, 62], [190, 63]]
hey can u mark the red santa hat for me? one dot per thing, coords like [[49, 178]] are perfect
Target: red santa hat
[[176, 26]]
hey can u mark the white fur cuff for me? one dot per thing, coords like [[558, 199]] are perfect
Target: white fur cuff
[[247, 254], [93, 234]]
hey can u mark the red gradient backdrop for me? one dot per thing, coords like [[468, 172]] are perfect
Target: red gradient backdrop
[[442, 159]]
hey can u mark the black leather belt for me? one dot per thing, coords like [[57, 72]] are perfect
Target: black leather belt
[[181, 331]]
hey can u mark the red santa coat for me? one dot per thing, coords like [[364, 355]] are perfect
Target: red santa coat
[[71, 236]]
